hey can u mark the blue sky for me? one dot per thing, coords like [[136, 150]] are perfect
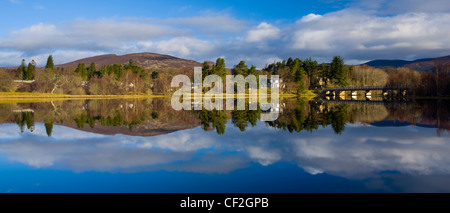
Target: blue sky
[[258, 32], [39, 11]]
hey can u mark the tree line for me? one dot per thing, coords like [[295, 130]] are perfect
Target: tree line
[[297, 76]]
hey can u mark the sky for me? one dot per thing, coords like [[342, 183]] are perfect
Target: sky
[[258, 32]]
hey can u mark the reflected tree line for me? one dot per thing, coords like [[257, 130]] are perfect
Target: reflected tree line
[[151, 117], [86, 118], [303, 115], [217, 119], [298, 115], [123, 115], [25, 119]]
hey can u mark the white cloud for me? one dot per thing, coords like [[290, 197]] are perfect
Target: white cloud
[[263, 31], [356, 34], [310, 17], [182, 46], [402, 6], [360, 35], [84, 35], [8, 58], [264, 157], [313, 171], [179, 142]]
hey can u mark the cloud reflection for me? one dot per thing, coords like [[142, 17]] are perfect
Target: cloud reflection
[[361, 151]]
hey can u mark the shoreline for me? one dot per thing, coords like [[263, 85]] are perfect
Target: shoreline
[[27, 95], [4, 96]]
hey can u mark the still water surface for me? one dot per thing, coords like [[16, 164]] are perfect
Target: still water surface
[[145, 146]]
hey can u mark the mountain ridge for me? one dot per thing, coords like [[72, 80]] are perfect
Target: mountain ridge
[[423, 64], [147, 60]]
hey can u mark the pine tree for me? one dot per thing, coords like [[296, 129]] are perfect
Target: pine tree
[[310, 67], [50, 65], [300, 80], [253, 71], [338, 71], [241, 69], [49, 128], [92, 70], [325, 73], [283, 64], [219, 68], [29, 74], [81, 70], [155, 74], [205, 70], [289, 62], [21, 70]]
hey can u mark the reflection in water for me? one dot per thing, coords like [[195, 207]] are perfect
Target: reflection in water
[[153, 117], [27, 118], [134, 117], [361, 143], [215, 118], [361, 152]]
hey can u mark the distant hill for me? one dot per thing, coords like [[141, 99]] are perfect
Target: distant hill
[[148, 61], [424, 64], [394, 63]]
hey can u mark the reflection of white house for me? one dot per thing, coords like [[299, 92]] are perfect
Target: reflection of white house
[[196, 85], [271, 83], [270, 111], [196, 105], [24, 81], [270, 107]]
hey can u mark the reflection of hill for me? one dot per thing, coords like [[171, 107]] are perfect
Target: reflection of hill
[[138, 130], [109, 117], [147, 117], [386, 123], [424, 112], [367, 113]]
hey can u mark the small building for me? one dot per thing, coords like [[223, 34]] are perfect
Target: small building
[[84, 83], [271, 83], [271, 107]]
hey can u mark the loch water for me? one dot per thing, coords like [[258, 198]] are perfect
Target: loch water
[[143, 145]]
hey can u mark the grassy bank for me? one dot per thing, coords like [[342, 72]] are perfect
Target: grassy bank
[[42, 96], [49, 95]]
